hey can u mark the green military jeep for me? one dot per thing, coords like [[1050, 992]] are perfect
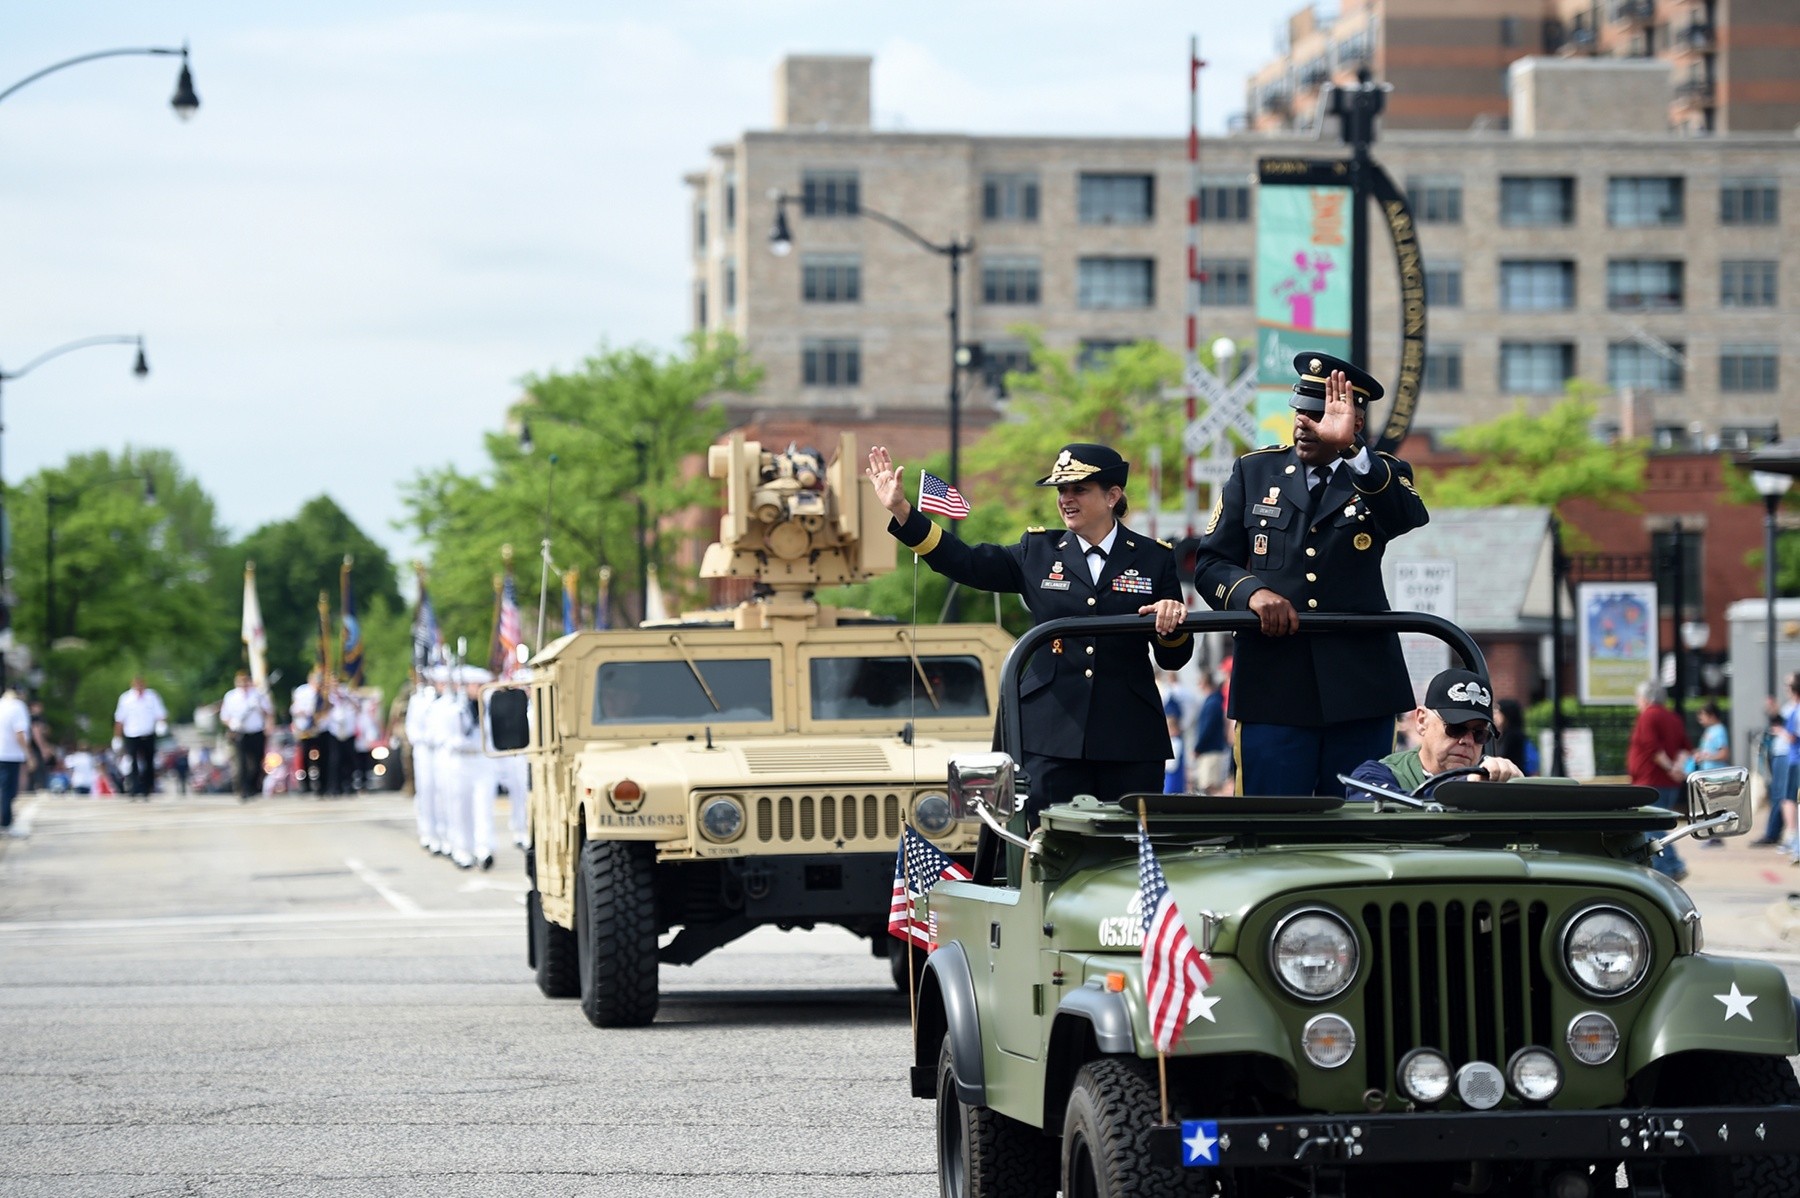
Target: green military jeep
[[1486, 992]]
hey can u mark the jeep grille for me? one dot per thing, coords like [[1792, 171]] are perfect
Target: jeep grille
[[810, 759], [860, 820], [1465, 976]]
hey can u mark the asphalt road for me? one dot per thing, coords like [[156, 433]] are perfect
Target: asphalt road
[[203, 998]]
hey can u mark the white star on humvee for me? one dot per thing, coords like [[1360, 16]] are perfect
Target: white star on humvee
[[1737, 1004]]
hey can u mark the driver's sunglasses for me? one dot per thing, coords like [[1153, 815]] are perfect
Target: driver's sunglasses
[[1480, 731]]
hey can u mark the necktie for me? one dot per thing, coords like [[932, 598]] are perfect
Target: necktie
[[1321, 476], [1096, 556]]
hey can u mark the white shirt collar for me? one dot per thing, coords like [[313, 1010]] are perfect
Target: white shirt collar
[[1105, 542]]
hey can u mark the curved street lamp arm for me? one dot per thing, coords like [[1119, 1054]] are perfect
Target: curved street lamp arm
[[89, 58], [948, 248], [71, 347]]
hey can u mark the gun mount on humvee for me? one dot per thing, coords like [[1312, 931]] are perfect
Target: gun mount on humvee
[[726, 770]]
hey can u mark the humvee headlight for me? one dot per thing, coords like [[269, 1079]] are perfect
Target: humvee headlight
[[1593, 1038], [1607, 951], [932, 814], [1313, 953], [722, 819], [1534, 1074], [1328, 1040], [1423, 1075]]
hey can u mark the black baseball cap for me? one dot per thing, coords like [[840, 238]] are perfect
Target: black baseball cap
[[1314, 368], [1459, 696]]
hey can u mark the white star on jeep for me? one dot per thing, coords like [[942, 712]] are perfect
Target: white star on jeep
[[1200, 1145], [1200, 1007], [1737, 1004]]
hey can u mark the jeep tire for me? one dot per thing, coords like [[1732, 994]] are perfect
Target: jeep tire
[[1731, 1079], [1106, 1135], [984, 1154], [551, 952], [615, 933]]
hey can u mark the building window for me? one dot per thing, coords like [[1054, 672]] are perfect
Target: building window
[[829, 193], [1095, 352], [831, 278], [1117, 199], [1747, 367], [1535, 367], [1643, 284], [1747, 283], [1531, 286], [1224, 282], [1001, 358], [1010, 280], [1443, 284], [1537, 200], [1645, 367], [1116, 283], [1225, 202], [700, 227], [1747, 202], [700, 304], [831, 362], [1009, 197], [728, 283], [1692, 556], [1748, 436], [1634, 201], [1443, 367], [730, 202], [1436, 199]]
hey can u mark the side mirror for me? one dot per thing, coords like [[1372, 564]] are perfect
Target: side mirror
[[1715, 793], [509, 714], [985, 780]]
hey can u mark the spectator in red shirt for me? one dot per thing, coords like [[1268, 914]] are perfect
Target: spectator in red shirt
[[1658, 743]]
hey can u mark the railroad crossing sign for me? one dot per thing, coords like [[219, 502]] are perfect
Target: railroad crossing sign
[[1228, 408]]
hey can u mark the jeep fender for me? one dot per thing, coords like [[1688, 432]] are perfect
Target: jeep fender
[[1688, 1011], [947, 1005]]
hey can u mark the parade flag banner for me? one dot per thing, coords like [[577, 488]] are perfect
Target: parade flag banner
[[1303, 284], [507, 631], [655, 606], [918, 867], [571, 600], [256, 640], [603, 600], [425, 634], [936, 495], [352, 651], [1175, 974]]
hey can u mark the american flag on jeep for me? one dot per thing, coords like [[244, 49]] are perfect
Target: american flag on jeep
[[918, 866], [1175, 974]]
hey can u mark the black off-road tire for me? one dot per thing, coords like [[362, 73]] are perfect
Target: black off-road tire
[[1731, 1079], [1105, 1148], [551, 952], [984, 1154], [615, 933]]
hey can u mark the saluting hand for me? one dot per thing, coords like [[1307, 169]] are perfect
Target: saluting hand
[[888, 489], [1169, 615], [1337, 426]]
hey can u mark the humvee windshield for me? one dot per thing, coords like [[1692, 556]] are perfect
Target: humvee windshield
[[861, 688], [666, 692]]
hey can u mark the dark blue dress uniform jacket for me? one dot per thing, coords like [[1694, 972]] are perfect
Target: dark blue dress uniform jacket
[[1261, 535], [1081, 697]]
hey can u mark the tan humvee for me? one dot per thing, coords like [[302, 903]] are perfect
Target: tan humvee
[[725, 770]]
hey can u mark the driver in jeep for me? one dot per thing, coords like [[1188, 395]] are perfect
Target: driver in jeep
[[1454, 722]]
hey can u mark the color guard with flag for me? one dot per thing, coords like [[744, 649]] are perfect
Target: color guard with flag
[[918, 867]]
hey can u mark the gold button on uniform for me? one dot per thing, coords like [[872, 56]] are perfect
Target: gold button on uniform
[[1310, 552], [1092, 601], [1312, 578], [1090, 650], [1090, 673], [1312, 603]]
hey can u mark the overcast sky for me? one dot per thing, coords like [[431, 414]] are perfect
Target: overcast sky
[[386, 213]]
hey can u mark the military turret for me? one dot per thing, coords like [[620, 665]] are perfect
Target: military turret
[[793, 523]]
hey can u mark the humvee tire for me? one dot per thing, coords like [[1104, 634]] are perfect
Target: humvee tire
[[1731, 1079], [1106, 1136], [984, 1154], [552, 952], [897, 950], [615, 933]]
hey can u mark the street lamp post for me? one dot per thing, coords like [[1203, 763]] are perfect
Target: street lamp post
[[1771, 487], [781, 243], [185, 101]]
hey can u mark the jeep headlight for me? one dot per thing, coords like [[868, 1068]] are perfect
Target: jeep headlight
[[1314, 954], [1607, 951], [722, 819], [932, 814]]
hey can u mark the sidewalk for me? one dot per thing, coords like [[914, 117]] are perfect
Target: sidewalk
[[1748, 895]]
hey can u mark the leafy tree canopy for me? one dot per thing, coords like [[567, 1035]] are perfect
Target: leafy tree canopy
[[1547, 459]]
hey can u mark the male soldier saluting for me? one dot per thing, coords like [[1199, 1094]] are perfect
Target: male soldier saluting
[[1302, 529]]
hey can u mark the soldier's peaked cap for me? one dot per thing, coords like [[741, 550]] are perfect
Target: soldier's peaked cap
[[1314, 368], [1081, 462]]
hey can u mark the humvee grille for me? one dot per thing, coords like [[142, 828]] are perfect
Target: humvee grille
[[825, 820], [1464, 976], [773, 759]]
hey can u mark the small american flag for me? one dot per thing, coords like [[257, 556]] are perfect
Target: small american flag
[[1175, 974], [507, 633], [918, 866], [936, 495]]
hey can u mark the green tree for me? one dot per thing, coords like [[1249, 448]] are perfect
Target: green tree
[[295, 560], [1547, 459], [132, 584], [579, 483]]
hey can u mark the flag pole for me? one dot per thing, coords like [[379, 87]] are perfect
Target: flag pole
[[906, 946], [324, 633], [1162, 1058]]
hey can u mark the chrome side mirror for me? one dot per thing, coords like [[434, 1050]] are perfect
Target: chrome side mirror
[[981, 780], [1718, 802]]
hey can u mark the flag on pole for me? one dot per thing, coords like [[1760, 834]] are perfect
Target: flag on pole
[[352, 650], [426, 638], [571, 600], [936, 495], [507, 633], [603, 601], [1175, 974], [918, 867], [324, 633], [655, 607], [256, 640]]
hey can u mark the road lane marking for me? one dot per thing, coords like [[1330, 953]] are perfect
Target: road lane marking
[[153, 922], [373, 880]]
